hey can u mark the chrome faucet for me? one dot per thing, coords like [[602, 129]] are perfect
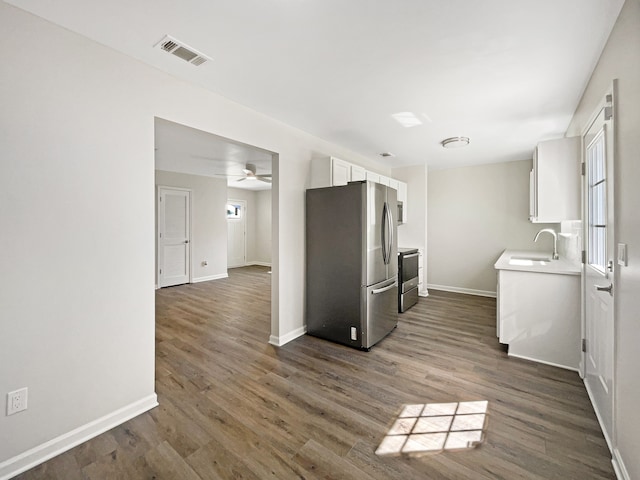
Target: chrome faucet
[[550, 231]]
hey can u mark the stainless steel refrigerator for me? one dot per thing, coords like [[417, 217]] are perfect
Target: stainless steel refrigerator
[[352, 263]]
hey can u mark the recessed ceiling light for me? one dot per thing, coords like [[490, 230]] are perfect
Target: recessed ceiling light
[[455, 142], [387, 154]]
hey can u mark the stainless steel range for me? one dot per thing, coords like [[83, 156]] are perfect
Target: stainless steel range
[[407, 278]]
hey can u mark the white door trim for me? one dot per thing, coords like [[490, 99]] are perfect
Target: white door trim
[[159, 260]]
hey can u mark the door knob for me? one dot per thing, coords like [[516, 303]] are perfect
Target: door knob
[[186, 241], [605, 289]]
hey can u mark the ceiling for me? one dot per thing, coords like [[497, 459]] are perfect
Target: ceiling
[[187, 150], [371, 75]]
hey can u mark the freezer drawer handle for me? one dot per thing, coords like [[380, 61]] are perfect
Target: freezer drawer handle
[[411, 255], [384, 289]]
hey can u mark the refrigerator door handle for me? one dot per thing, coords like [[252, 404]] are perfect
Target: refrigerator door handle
[[384, 289], [385, 215], [390, 220]]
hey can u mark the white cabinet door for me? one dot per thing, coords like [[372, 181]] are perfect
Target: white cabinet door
[[372, 177], [547, 332], [555, 181], [340, 172], [358, 173]]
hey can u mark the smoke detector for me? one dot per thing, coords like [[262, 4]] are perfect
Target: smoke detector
[[181, 50]]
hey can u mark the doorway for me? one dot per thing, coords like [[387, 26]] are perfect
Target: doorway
[[236, 233], [174, 236], [204, 163]]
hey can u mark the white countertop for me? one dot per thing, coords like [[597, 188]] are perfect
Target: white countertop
[[560, 266]]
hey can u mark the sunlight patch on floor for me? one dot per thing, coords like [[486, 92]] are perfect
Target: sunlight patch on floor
[[436, 427]]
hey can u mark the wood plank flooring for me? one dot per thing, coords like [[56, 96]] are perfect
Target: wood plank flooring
[[234, 407]]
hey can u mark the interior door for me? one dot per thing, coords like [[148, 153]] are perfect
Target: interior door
[[599, 267], [236, 233], [174, 251]]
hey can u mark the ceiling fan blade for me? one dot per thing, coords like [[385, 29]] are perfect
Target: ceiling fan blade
[[265, 175], [241, 179], [262, 178]]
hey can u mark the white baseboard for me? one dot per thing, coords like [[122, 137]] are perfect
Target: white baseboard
[[210, 277], [259, 264], [618, 466], [468, 291], [283, 339], [531, 359], [423, 293], [37, 455]]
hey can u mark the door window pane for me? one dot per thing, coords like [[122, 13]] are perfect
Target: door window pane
[[597, 207], [234, 210]]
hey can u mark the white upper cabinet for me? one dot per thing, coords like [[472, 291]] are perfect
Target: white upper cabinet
[[329, 171], [332, 171], [554, 181], [358, 173], [373, 177], [340, 172]]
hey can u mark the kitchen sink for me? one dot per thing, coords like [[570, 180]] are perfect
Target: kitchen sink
[[529, 261]]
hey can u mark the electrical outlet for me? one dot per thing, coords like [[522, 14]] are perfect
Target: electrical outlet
[[17, 401]]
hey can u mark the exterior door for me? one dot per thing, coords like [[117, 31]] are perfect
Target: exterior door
[[236, 233], [598, 273], [174, 231]]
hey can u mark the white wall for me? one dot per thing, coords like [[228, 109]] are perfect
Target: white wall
[[621, 60], [413, 232], [77, 208], [474, 213], [208, 222]]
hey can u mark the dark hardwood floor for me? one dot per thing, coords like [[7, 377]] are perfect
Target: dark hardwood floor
[[233, 406]]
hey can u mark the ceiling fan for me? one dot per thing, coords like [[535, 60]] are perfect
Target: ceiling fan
[[250, 174]]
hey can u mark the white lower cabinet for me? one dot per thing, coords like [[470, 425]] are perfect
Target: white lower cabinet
[[538, 316]]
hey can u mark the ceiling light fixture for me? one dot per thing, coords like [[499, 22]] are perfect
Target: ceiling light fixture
[[455, 142], [387, 154]]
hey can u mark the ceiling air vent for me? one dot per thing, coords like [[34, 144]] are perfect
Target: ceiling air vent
[[180, 50]]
